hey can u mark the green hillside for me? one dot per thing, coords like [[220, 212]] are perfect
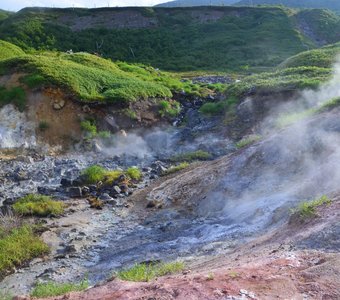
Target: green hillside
[[91, 78], [188, 3], [329, 4], [323, 58], [8, 50], [181, 39]]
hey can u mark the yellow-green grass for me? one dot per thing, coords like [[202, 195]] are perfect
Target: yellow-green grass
[[18, 246], [50, 289], [308, 209], [175, 169], [38, 205], [8, 50], [147, 272], [94, 174]]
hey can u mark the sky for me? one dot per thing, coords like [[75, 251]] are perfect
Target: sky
[[15, 5]]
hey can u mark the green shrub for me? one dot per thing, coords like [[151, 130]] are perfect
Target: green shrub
[[38, 205], [177, 168], [191, 156], [19, 246], [147, 272], [51, 289], [307, 210], [134, 173], [15, 95]]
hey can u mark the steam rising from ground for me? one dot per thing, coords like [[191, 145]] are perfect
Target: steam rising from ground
[[296, 164]]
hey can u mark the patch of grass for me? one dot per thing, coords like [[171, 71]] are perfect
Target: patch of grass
[[94, 174], [191, 156], [216, 108], [8, 50], [134, 173], [89, 127], [177, 168], [130, 114], [169, 108], [38, 205], [51, 289], [15, 95], [248, 140], [307, 210], [289, 79], [18, 246], [43, 125], [33, 80], [289, 119], [104, 134], [147, 272], [6, 296]]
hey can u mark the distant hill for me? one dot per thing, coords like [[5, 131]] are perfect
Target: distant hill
[[329, 4], [180, 39], [188, 3], [4, 14]]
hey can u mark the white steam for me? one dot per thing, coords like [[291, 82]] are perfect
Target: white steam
[[296, 164]]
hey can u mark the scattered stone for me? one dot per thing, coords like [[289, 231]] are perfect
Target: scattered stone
[[75, 192], [116, 189], [58, 104], [65, 182], [105, 197]]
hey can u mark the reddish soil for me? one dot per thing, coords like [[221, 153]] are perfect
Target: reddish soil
[[271, 267]]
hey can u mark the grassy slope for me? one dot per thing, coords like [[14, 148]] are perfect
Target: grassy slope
[[181, 40], [8, 50], [92, 78], [323, 58], [305, 70]]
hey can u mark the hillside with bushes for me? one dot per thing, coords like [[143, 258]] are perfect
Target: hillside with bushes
[[180, 39], [329, 4]]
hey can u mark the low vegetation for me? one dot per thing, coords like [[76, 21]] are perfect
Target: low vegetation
[[18, 244], [216, 108], [175, 169], [50, 289], [322, 58], [191, 156], [291, 118], [169, 109], [14, 95], [8, 50], [281, 80], [94, 79], [248, 140], [147, 272], [307, 210], [38, 205], [94, 174]]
